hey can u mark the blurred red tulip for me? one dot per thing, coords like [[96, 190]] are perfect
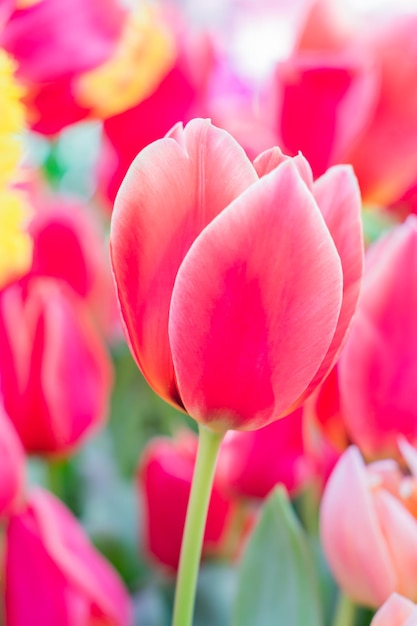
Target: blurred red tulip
[[369, 527], [164, 479], [347, 94], [122, 59], [396, 611], [237, 282], [12, 459], [55, 371], [252, 463], [377, 370], [53, 575]]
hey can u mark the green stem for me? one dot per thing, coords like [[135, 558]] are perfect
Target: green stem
[[346, 611], [192, 541]]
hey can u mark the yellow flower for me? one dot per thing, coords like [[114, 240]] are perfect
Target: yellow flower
[[15, 242]]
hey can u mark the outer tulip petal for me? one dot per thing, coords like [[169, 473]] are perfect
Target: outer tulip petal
[[12, 459], [395, 612], [249, 291], [340, 92], [64, 580], [173, 189], [400, 530], [343, 515], [338, 196], [378, 368]]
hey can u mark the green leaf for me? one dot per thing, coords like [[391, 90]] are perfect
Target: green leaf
[[277, 583]]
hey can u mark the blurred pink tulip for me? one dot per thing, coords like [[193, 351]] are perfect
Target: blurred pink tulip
[[12, 459], [123, 56], [53, 575], [396, 611], [69, 244], [377, 371], [55, 371], [252, 463], [237, 281], [164, 479], [369, 527]]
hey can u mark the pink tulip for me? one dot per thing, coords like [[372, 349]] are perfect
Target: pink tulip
[[12, 458], [122, 57], [164, 480], [378, 368], [53, 575], [55, 371], [69, 244], [369, 527], [396, 611], [252, 463], [236, 281]]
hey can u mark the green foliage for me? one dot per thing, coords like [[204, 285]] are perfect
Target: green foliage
[[277, 582]]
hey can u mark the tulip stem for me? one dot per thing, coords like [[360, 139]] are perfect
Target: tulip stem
[[345, 611], [192, 541]]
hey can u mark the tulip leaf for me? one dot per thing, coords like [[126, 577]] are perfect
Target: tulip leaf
[[277, 582]]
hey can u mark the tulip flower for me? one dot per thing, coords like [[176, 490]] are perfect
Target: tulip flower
[[369, 527], [378, 367], [53, 575], [164, 479], [11, 465], [396, 611], [347, 70], [252, 463], [123, 57], [68, 244], [55, 371], [236, 281]]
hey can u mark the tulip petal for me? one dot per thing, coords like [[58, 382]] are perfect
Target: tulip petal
[[255, 305], [395, 611], [400, 530], [350, 533], [378, 368], [337, 194], [70, 549], [173, 189], [12, 460]]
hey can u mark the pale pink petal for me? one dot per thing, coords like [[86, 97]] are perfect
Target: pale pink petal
[[353, 542], [400, 530], [174, 188], [395, 612], [255, 305], [409, 454]]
